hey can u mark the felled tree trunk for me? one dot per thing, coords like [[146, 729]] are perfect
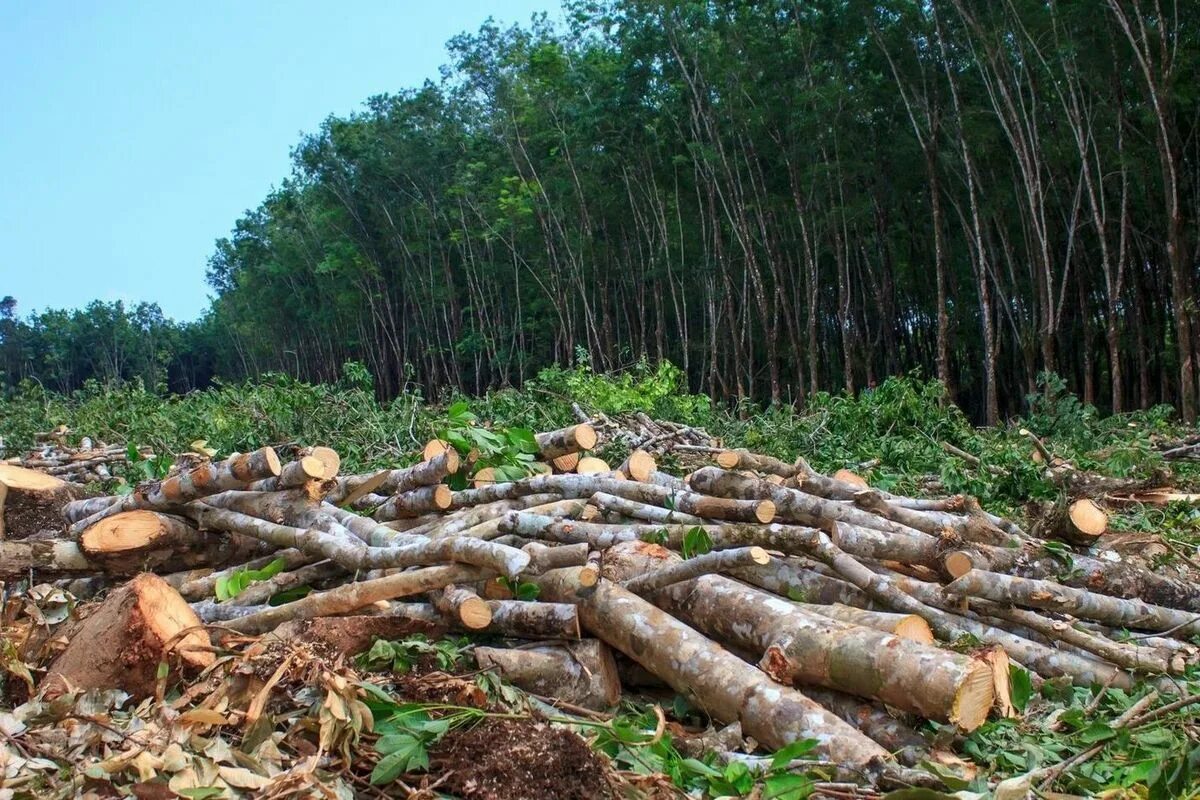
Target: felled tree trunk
[[753, 462], [582, 673], [573, 439], [145, 540], [713, 678], [464, 606], [29, 493], [803, 648], [352, 596], [894, 735], [517, 619], [42, 556], [678, 571], [1081, 522], [1076, 602], [797, 579], [643, 511], [415, 502], [906, 626], [121, 644], [1118, 579]]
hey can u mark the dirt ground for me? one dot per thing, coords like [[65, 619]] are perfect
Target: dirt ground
[[503, 759]]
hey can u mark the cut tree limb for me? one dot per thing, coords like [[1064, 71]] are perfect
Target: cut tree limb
[[464, 606], [582, 673], [1109, 610], [565, 441], [715, 561]]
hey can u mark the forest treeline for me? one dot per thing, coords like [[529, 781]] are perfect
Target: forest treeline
[[780, 197]]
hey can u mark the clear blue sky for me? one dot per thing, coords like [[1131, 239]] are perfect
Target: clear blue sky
[[133, 135]]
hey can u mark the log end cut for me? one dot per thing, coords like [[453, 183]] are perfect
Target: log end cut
[[976, 695], [121, 644]]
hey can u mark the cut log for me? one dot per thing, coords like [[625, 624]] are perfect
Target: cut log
[[139, 626], [144, 540], [463, 605], [1116, 578], [643, 511], [485, 476], [30, 499], [798, 579], [590, 465], [906, 626], [894, 735], [710, 676], [1081, 522], [753, 462], [293, 474], [1076, 602], [43, 557], [573, 439], [851, 478], [352, 596], [566, 463], [639, 466], [543, 558], [416, 502], [582, 673], [797, 647]]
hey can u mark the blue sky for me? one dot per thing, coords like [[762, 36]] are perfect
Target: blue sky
[[133, 135]]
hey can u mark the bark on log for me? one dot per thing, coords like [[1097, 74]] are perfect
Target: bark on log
[[517, 619], [1128, 656], [582, 673], [197, 584], [352, 596], [463, 605], [1076, 602], [894, 735], [639, 466], [207, 479], [678, 571], [121, 644], [573, 439], [753, 462], [415, 502], [798, 647], [1118, 579], [643, 511], [906, 626], [1044, 661], [42, 556], [543, 558], [798, 580], [710, 676], [790, 504], [464, 518]]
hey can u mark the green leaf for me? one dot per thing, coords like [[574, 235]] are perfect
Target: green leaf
[[699, 767], [523, 440], [1021, 686], [787, 787], [1097, 732], [164, 669], [788, 754], [404, 753], [696, 542]]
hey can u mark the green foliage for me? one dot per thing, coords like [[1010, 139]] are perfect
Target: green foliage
[[696, 542], [402, 655], [520, 590], [407, 730], [509, 451], [235, 583]]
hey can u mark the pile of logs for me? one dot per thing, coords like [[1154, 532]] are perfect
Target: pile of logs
[[90, 462], [789, 603]]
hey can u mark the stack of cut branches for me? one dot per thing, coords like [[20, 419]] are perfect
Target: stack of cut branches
[[88, 463], [794, 604]]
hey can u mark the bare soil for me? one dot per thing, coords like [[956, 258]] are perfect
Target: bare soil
[[516, 759]]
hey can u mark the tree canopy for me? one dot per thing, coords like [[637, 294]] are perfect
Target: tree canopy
[[779, 197]]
